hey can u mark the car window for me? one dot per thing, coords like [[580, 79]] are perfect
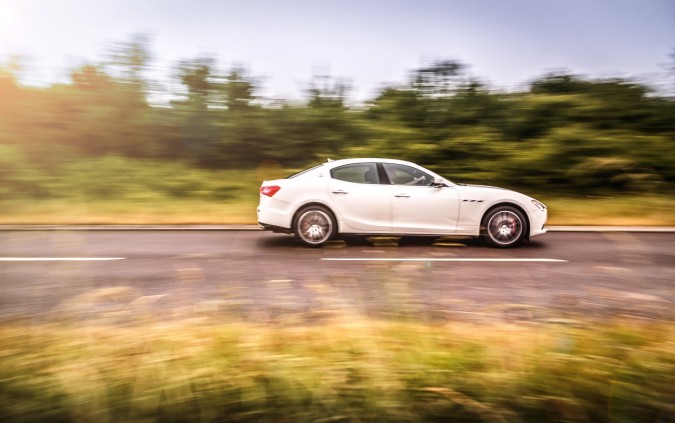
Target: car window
[[407, 175], [302, 172], [360, 173]]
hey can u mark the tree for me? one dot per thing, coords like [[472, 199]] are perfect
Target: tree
[[239, 88], [438, 79], [128, 60]]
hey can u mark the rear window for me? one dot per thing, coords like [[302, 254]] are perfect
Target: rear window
[[360, 173]]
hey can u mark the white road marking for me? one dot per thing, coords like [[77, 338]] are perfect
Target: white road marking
[[494, 260], [60, 258]]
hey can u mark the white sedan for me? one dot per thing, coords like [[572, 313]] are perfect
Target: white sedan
[[393, 197]]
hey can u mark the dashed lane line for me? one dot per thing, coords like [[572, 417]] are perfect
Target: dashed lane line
[[494, 260], [60, 258]]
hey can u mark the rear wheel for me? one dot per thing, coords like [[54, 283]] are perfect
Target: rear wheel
[[315, 225], [504, 227]]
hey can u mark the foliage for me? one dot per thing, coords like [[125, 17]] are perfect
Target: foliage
[[115, 178], [564, 133]]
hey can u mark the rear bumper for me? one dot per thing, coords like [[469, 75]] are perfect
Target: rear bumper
[[274, 213]]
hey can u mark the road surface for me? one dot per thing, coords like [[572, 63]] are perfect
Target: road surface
[[120, 276]]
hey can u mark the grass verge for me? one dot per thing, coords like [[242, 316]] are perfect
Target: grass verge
[[627, 210], [347, 369], [158, 212], [636, 210]]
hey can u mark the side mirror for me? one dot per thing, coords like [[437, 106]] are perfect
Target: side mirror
[[439, 183]]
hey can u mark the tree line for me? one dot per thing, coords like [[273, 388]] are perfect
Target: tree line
[[563, 132]]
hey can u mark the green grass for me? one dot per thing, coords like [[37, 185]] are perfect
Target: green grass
[[349, 368], [113, 190]]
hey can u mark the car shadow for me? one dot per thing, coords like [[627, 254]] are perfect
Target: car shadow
[[354, 241], [526, 245], [278, 241]]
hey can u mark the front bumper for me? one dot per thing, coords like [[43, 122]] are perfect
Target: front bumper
[[538, 222]]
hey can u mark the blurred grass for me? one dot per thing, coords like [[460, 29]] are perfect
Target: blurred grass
[[639, 210], [350, 368], [240, 209], [115, 190], [163, 211]]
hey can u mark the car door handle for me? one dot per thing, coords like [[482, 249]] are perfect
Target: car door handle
[[340, 191], [402, 196]]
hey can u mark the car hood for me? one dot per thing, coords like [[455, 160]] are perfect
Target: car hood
[[483, 186]]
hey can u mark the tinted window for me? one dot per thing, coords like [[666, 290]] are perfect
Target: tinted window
[[360, 173], [407, 175]]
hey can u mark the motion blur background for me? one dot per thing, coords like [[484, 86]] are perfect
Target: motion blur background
[[174, 111], [115, 112]]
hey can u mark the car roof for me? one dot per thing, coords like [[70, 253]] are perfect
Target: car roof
[[332, 164], [340, 162]]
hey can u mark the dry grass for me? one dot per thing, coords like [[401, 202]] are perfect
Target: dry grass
[[626, 210], [644, 210], [349, 368], [160, 212]]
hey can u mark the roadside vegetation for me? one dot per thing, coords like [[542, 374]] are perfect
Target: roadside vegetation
[[346, 369], [113, 146]]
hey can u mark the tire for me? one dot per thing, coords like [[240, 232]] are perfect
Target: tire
[[315, 226], [504, 227]]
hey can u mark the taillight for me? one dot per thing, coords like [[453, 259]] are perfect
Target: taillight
[[270, 190]]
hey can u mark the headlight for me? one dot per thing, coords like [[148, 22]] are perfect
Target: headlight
[[539, 205]]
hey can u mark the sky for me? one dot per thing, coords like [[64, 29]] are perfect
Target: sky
[[369, 43]]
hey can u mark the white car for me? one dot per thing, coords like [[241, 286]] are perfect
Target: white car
[[393, 197]]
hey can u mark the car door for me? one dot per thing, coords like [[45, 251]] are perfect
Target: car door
[[419, 207], [361, 202]]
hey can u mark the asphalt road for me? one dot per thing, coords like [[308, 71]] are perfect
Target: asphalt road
[[121, 276]]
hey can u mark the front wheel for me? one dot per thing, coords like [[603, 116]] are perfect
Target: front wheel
[[504, 227], [315, 225]]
